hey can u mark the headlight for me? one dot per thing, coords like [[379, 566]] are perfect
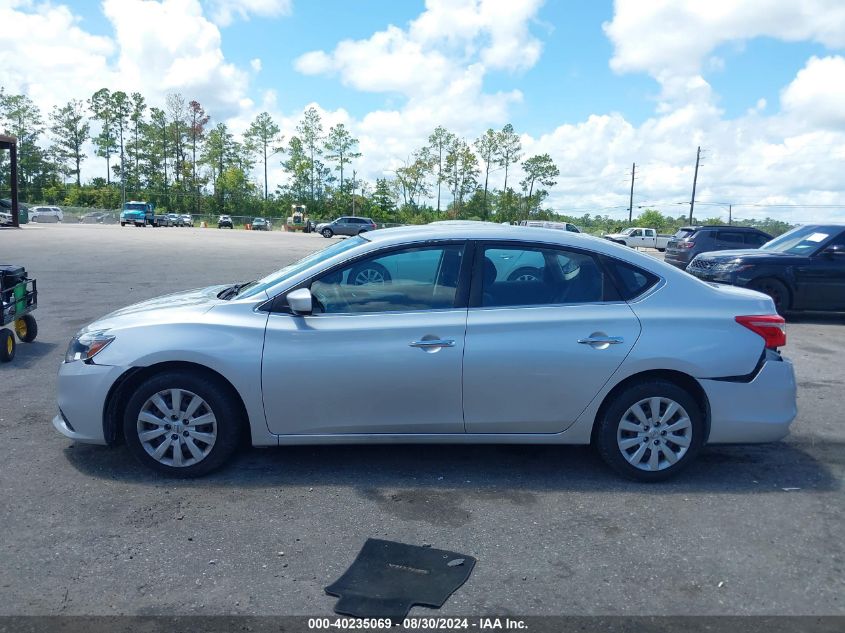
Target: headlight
[[734, 266], [87, 345]]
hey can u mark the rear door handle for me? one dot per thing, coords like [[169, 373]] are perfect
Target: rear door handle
[[424, 344], [601, 340]]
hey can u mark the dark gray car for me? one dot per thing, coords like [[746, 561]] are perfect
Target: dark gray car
[[689, 241], [346, 225]]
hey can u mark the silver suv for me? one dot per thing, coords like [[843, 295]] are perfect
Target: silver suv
[[347, 225]]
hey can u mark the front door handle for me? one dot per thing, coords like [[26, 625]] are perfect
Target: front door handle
[[601, 340], [428, 344]]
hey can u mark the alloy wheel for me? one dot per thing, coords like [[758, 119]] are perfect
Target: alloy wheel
[[177, 427], [654, 434], [368, 276]]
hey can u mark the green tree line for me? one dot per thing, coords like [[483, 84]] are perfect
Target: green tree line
[[179, 158]]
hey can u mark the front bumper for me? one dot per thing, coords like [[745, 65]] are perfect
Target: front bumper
[[82, 392], [678, 262], [759, 410]]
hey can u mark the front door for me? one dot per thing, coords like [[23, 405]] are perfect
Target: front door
[[820, 281], [381, 353], [539, 350]]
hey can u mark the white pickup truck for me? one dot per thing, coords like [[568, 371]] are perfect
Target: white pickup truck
[[637, 236]]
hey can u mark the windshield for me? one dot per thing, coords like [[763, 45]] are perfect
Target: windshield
[[287, 272], [626, 232], [800, 240], [682, 233], [134, 207]]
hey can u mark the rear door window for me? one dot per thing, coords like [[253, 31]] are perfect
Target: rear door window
[[533, 276], [731, 237]]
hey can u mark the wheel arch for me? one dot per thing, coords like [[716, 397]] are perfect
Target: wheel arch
[[122, 389], [685, 381], [780, 277]]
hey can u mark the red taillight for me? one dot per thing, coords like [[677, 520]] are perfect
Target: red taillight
[[771, 327], [686, 244]]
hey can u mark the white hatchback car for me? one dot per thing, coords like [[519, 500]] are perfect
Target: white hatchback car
[[452, 333]]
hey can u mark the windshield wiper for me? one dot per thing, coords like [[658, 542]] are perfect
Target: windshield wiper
[[232, 291]]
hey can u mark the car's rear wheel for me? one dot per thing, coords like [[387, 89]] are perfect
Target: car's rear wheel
[[778, 292], [650, 431], [182, 424], [327, 233]]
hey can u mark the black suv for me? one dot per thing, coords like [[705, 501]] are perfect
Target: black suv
[[689, 241], [803, 269]]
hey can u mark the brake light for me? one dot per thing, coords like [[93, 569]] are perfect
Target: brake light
[[686, 244], [771, 327]]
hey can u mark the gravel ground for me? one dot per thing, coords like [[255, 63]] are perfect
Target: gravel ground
[[746, 530]]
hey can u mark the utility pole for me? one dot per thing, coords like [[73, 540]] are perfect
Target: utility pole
[[730, 214], [694, 181], [353, 191], [631, 199]]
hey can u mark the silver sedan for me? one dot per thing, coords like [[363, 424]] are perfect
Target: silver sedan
[[473, 333]]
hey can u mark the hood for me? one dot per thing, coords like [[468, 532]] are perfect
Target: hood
[[744, 254], [163, 309]]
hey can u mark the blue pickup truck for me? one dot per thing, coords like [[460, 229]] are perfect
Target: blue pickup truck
[[138, 213]]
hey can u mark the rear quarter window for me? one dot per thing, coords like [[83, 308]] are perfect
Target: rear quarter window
[[631, 281]]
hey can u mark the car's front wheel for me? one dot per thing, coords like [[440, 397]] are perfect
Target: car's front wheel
[[327, 233], [182, 424], [650, 431]]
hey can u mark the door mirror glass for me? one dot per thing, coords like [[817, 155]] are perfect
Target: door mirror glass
[[299, 301]]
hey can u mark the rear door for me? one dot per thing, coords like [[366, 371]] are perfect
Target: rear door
[[538, 349], [728, 240]]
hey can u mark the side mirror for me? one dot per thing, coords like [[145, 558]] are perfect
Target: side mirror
[[300, 301], [834, 250]]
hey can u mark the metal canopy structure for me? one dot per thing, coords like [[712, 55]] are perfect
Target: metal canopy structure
[[11, 143]]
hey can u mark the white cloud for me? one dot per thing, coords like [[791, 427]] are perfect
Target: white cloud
[[817, 94], [660, 36], [255, 64], [46, 55], [224, 12], [170, 46]]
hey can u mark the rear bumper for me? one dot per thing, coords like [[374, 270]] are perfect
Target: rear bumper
[[757, 411]]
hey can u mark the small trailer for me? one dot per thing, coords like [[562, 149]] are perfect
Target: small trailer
[[18, 298]]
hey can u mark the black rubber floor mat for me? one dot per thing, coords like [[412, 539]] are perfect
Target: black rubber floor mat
[[388, 578]]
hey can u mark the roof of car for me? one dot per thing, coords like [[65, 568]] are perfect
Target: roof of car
[[699, 227], [483, 230]]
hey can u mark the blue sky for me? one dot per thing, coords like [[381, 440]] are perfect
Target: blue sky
[[598, 85], [572, 79]]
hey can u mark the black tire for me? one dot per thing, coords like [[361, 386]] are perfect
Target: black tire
[[661, 250], [222, 403], [121, 224], [7, 345], [607, 427], [26, 328], [369, 273], [778, 292], [327, 233], [523, 274]]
